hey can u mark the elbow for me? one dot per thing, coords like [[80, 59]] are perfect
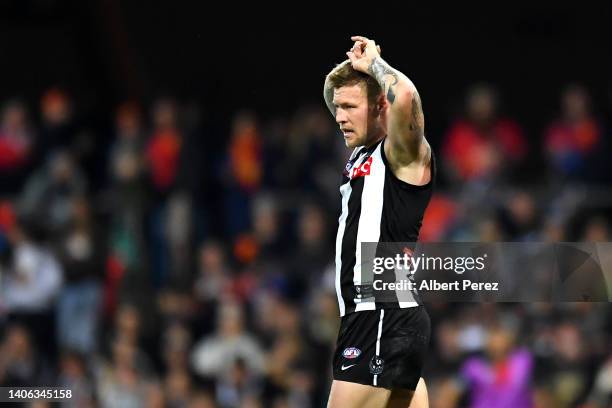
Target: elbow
[[406, 94], [402, 99]]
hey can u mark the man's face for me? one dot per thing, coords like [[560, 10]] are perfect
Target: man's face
[[353, 114]]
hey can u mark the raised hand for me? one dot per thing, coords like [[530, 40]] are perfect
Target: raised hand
[[363, 52]]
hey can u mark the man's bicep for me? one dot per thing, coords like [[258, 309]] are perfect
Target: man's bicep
[[406, 130]]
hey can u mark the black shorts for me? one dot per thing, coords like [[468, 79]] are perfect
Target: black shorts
[[384, 348]]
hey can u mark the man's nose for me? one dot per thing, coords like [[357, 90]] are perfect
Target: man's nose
[[340, 117]]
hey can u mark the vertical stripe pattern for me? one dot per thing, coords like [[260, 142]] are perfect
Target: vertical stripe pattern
[[376, 207], [368, 229], [378, 336], [345, 190]]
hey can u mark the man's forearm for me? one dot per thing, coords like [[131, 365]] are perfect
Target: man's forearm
[[386, 77], [390, 80], [405, 103]]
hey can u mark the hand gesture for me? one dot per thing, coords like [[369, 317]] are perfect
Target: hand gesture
[[363, 53]]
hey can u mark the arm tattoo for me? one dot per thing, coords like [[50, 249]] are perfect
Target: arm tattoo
[[386, 77], [417, 121]]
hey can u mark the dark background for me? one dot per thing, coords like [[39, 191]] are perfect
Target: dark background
[[275, 58], [252, 257]]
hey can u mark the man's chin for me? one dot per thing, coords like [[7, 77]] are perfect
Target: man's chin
[[352, 142]]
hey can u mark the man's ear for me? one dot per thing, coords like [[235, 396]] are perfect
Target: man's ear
[[381, 103]]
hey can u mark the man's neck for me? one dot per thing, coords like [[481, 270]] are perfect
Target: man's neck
[[375, 140]]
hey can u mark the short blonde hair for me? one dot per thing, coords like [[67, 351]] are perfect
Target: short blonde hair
[[344, 74]]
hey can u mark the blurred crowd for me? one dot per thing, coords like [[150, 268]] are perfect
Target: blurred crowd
[[160, 259]]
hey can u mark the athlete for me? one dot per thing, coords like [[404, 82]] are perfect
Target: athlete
[[386, 187]]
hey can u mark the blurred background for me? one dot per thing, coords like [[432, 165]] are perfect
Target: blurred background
[[169, 196]]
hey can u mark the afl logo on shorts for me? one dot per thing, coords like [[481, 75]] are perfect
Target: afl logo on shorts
[[351, 352], [377, 365]]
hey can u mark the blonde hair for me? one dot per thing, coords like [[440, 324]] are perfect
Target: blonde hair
[[344, 74]]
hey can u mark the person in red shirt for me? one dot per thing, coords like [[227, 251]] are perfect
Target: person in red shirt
[[164, 147], [571, 141], [482, 144], [16, 146]]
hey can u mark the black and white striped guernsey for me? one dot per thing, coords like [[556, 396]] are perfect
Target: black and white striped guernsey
[[376, 207]]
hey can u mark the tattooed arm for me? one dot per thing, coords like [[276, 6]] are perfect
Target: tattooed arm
[[405, 122]]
